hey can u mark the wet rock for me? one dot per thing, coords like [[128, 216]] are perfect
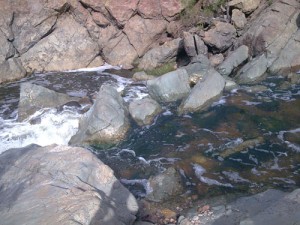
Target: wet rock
[[34, 98], [221, 37], [106, 123], [61, 185], [193, 45], [142, 33], [204, 92], [216, 59], [165, 185], [47, 56], [166, 53], [236, 58], [144, 111], [230, 84], [247, 6], [169, 87], [142, 76], [239, 19]]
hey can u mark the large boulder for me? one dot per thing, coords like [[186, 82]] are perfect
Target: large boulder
[[221, 37], [161, 55], [206, 90], [106, 123], [34, 97], [193, 45], [143, 111], [61, 185], [169, 87]]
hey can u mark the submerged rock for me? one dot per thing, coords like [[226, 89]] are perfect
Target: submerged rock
[[106, 123], [34, 97], [61, 185], [144, 111]]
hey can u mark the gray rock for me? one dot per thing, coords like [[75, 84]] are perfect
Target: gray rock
[[170, 87], [61, 185], [204, 92], [216, 59], [34, 98], [236, 58], [161, 55], [106, 123], [193, 45], [247, 6], [221, 37], [11, 70], [165, 185], [230, 84], [238, 18], [142, 223], [142, 76], [144, 111]]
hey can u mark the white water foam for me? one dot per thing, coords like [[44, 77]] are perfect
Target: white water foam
[[143, 182], [106, 66], [291, 145], [234, 176], [53, 128]]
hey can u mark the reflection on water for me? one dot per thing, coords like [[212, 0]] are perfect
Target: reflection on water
[[247, 141]]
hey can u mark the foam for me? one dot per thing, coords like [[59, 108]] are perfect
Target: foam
[[106, 66]]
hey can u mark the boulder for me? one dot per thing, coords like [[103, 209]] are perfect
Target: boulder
[[106, 123], [142, 33], [239, 19], [165, 185], [247, 6], [206, 90], [169, 87], [216, 59], [143, 111], [193, 45], [161, 55], [61, 185], [221, 37], [236, 58], [34, 98], [69, 46], [142, 76]]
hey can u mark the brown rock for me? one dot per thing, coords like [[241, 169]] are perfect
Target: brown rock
[[142, 33], [100, 19], [150, 9], [170, 8], [216, 59], [238, 18], [247, 6]]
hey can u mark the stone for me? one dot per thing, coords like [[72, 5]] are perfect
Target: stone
[[142, 76], [106, 123], [57, 52], [98, 61], [143, 111], [233, 60], [170, 9], [100, 19], [7, 50], [207, 90], [142, 33], [165, 185], [166, 53], [221, 37], [238, 18], [61, 185], [216, 59], [193, 45], [150, 9], [230, 85], [247, 6], [169, 87], [11, 70], [34, 97]]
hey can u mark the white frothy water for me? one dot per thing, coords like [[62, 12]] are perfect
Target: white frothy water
[[53, 128], [291, 145], [106, 66]]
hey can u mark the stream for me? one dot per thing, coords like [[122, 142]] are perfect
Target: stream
[[247, 141]]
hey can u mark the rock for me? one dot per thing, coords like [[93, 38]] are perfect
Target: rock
[[142, 223], [7, 50], [98, 61], [221, 37], [57, 52], [170, 9], [144, 111], [247, 6], [169, 87], [239, 19], [142, 33], [161, 55], [204, 92], [216, 59], [165, 185], [142, 76], [233, 60], [106, 123], [193, 45], [256, 88], [11, 70], [61, 185], [230, 85], [34, 98], [100, 19]]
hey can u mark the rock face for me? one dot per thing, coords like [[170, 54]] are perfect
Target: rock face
[[143, 111], [270, 42], [165, 185], [193, 45], [158, 56], [247, 6], [238, 18], [34, 98], [205, 91], [61, 185], [106, 123], [170, 87]]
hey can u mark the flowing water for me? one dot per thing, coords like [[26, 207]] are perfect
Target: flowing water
[[245, 142]]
